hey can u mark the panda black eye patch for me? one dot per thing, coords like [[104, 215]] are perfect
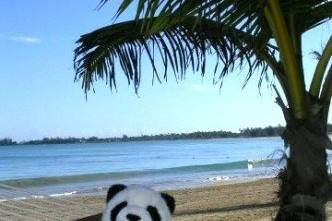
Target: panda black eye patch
[[116, 210], [153, 213]]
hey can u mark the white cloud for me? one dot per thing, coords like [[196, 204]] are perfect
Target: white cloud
[[26, 39]]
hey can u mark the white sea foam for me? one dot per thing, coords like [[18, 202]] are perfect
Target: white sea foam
[[63, 194], [37, 197], [20, 198], [250, 165], [218, 178]]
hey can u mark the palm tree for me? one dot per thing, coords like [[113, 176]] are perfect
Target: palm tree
[[262, 35]]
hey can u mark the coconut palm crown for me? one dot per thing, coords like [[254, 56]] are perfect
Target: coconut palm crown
[[262, 35]]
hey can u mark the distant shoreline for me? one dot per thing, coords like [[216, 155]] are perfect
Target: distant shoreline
[[244, 133], [248, 132]]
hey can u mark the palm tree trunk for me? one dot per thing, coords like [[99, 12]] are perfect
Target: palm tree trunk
[[304, 184]]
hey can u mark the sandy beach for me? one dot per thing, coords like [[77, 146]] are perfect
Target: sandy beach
[[254, 200]]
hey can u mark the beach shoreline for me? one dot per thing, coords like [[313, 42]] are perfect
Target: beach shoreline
[[230, 200], [16, 190], [249, 200]]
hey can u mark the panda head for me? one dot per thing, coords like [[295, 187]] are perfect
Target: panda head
[[137, 203]]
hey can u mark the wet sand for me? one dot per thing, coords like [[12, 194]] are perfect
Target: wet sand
[[255, 200]]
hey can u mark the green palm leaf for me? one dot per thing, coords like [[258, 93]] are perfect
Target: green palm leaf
[[180, 45], [182, 33]]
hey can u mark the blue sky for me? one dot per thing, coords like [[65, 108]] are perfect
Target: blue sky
[[39, 98]]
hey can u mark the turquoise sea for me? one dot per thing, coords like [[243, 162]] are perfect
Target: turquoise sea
[[70, 169]]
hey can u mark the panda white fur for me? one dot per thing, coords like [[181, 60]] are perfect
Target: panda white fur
[[137, 203]]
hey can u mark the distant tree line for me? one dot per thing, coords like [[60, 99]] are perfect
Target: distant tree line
[[262, 132], [7, 141], [247, 132]]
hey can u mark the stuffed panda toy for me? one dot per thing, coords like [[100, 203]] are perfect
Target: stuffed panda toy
[[137, 203]]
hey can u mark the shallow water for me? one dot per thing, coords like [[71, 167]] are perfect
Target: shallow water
[[89, 168]]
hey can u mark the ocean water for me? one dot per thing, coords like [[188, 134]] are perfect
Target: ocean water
[[71, 169]]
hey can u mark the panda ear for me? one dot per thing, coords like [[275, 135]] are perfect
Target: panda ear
[[113, 190], [170, 201]]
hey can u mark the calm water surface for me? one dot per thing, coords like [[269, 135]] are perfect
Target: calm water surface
[[50, 169], [17, 162]]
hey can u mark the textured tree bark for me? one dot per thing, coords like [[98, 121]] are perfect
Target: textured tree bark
[[305, 186]]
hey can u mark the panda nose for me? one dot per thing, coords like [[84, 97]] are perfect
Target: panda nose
[[132, 217]]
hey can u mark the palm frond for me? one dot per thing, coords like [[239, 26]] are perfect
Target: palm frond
[[243, 13], [323, 60], [327, 86], [181, 45], [315, 15]]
